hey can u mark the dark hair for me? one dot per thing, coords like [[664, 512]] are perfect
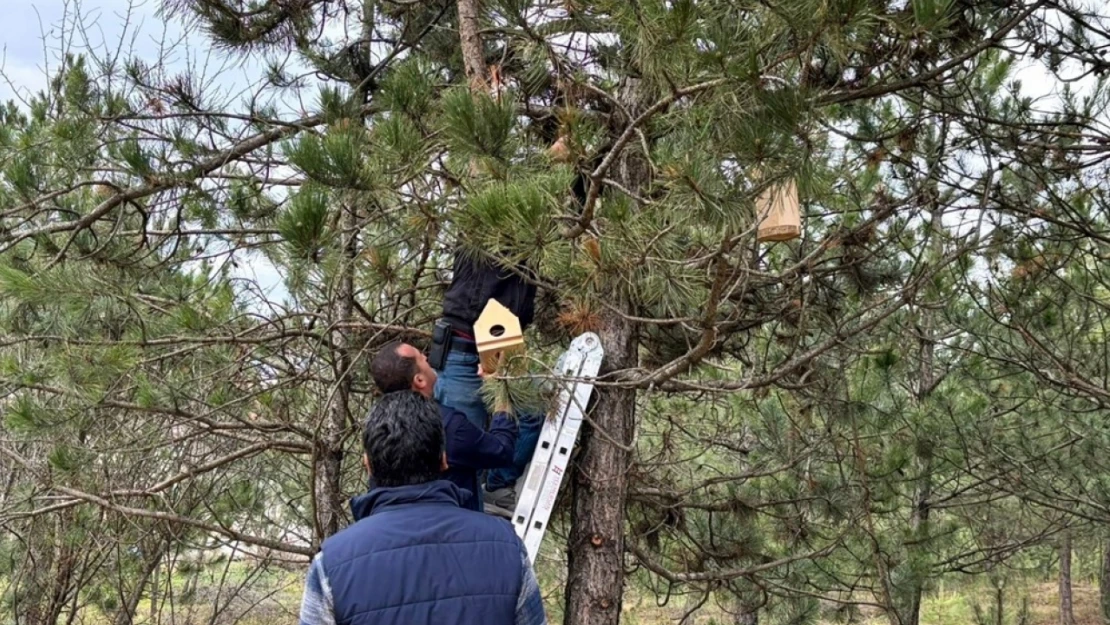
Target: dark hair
[[403, 438], [392, 371]]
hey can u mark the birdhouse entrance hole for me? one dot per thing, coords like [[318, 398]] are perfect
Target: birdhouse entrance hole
[[497, 333]]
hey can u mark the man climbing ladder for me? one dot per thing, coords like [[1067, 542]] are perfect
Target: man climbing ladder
[[543, 446], [497, 335]]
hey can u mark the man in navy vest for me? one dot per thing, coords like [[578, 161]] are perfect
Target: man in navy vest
[[414, 555], [470, 449]]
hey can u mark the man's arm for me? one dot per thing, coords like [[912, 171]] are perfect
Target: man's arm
[[529, 604], [471, 447], [317, 607]]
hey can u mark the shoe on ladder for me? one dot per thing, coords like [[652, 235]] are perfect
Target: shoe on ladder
[[500, 502]]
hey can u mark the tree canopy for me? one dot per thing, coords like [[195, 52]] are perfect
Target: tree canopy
[[913, 388]]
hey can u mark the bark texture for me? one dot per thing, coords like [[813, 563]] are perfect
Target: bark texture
[[595, 563], [1067, 614], [330, 510], [471, 40], [1104, 584], [595, 584]]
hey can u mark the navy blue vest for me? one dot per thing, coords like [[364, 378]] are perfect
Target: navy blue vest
[[415, 557]]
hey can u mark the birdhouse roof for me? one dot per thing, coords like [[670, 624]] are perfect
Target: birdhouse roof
[[493, 315]]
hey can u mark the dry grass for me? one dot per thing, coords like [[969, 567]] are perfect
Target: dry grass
[[275, 598], [954, 605], [1044, 604]]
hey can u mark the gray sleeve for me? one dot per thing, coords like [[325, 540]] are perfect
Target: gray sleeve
[[529, 605], [317, 606]]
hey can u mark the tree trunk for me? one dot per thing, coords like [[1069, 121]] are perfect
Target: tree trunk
[[999, 601], [47, 574], [595, 551], [1104, 584], [471, 40], [126, 615], [329, 452], [595, 562], [1067, 615], [9, 470], [918, 522], [926, 383]]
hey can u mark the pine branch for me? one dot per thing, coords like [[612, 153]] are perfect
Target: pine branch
[[876, 91], [170, 517], [725, 574], [163, 183], [597, 176]]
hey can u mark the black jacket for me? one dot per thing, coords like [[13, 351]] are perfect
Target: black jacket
[[470, 449], [475, 282]]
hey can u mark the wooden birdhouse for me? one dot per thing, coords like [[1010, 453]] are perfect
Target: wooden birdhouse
[[559, 151], [779, 212], [497, 333]]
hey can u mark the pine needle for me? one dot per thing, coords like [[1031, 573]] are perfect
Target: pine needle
[[515, 390]]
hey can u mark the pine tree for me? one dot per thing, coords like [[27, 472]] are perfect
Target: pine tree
[[775, 422], [130, 389]]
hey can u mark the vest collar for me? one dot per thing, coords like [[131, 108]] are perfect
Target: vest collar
[[379, 499]]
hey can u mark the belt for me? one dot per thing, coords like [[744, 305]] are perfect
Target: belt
[[461, 344]]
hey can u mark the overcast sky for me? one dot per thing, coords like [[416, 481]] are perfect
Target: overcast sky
[[33, 32]]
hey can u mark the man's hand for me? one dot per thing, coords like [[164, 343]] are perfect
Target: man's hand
[[481, 372]]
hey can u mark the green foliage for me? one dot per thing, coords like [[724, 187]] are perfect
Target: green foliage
[[478, 125], [409, 88], [17, 284], [24, 415], [932, 14], [398, 143], [517, 387], [515, 218], [912, 388], [67, 459], [138, 161], [338, 158], [304, 225]]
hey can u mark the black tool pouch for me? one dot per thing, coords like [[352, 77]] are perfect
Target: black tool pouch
[[441, 344]]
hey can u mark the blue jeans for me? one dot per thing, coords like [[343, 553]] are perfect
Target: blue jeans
[[458, 386]]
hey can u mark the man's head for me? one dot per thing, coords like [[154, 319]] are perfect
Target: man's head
[[403, 440], [401, 367]]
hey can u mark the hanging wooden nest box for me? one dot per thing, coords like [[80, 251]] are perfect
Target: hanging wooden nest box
[[497, 333], [559, 151], [779, 213]]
